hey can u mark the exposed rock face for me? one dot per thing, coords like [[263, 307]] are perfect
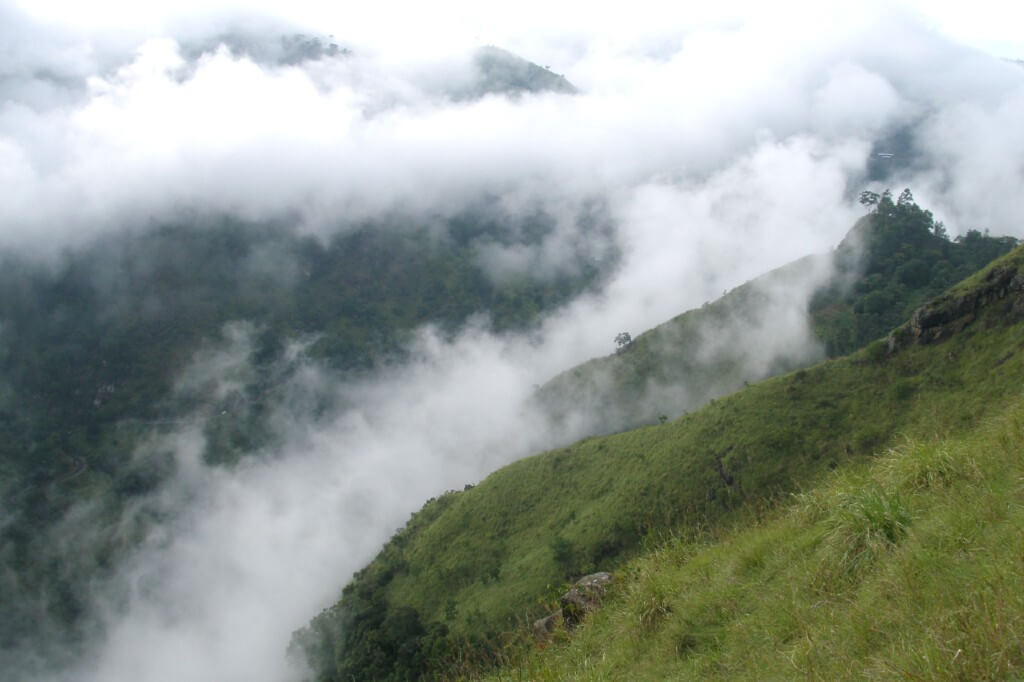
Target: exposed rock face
[[951, 313]]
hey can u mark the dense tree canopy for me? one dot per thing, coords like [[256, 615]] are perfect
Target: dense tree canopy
[[899, 258]]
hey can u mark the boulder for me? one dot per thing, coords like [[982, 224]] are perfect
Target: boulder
[[583, 597], [543, 627]]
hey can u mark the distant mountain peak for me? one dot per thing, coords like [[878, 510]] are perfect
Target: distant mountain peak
[[502, 72], [290, 49]]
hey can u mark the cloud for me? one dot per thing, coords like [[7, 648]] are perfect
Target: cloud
[[975, 153], [234, 559], [345, 138], [716, 146]]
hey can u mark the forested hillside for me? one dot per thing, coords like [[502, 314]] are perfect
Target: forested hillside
[[94, 347]]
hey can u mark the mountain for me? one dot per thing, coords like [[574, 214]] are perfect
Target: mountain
[[96, 348], [501, 72], [699, 355], [452, 592], [99, 344], [99, 349], [292, 49], [123, 316], [905, 566], [493, 71], [888, 264]]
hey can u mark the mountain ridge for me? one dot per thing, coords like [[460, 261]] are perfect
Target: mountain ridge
[[824, 305], [456, 586]]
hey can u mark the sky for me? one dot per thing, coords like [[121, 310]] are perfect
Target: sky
[[721, 142], [988, 25]]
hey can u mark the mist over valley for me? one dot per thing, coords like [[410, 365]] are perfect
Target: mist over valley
[[275, 284]]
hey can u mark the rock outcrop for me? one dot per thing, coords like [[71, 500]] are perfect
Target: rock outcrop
[[954, 311], [582, 598]]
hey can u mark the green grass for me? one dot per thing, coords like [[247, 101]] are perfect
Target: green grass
[[643, 380], [475, 567], [905, 567], [603, 495]]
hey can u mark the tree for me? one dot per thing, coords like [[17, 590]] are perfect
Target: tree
[[622, 341], [869, 198]]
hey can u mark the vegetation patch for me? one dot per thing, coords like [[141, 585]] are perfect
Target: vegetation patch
[[941, 598]]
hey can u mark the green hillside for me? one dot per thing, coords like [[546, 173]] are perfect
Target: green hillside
[[904, 567], [893, 260], [455, 588], [699, 355]]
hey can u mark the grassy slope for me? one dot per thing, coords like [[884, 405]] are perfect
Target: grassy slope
[[908, 567], [891, 261], [643, 380], [477, 561]]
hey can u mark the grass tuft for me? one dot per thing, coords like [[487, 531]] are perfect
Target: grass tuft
[[651, 603], [928, 465], [865, 523]]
